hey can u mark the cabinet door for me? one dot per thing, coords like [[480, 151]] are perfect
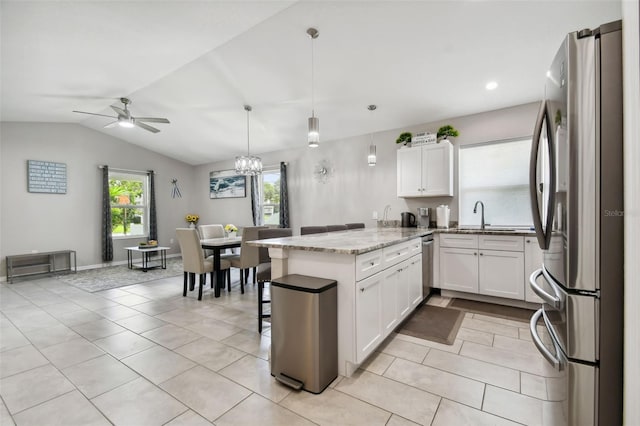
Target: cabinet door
[[368, 315], [532, 261], [403, 302], [437, 169], [409, 170], [501, 274], [415, 281], [459, 269], [389, 299]]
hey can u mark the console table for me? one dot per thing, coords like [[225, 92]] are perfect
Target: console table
[[22, 265], [146, 254]]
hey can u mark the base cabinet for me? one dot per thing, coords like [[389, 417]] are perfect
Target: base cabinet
[[459, 269], [415, 282], [500, 274], [368, 318]]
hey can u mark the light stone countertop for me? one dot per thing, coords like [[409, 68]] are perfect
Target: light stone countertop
[[355, 241], [487, 231]]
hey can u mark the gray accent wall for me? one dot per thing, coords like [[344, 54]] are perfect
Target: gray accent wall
[[354, 190], [44, 222]]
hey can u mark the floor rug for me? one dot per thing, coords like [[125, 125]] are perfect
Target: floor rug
[[433, 323], [99, 279], [491, 309]]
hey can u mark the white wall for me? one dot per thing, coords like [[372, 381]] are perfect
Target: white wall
[[355, 190], [631, 71], [43, 222]]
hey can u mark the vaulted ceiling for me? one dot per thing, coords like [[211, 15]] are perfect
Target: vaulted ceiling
[[198, 62]]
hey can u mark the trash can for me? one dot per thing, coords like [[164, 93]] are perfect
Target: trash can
[[304, 332]]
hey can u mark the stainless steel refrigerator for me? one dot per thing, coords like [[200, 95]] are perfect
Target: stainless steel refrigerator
[[576, 186]]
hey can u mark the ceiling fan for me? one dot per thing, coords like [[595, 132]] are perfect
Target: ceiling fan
[[125, 119]]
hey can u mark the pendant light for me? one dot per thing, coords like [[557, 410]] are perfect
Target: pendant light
[[249, 164], [371, 158], [313, 136]]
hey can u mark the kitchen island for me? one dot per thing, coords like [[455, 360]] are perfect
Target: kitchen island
[[379, 275]]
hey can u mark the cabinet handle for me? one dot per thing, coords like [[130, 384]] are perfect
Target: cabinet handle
[[481, 254], [373, 263], [419, 190], [528, 241], [362, 289], [475, 254]]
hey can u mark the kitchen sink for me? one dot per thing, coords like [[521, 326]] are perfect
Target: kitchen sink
[[489, 229]]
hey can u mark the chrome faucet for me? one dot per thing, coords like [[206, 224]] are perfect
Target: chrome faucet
[[475, 210]]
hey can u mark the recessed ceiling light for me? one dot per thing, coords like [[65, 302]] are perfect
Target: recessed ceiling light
[[491, 85]]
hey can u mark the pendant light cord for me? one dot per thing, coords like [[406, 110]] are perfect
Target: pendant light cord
[[313, 113]]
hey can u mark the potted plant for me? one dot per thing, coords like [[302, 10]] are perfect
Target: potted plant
[[192, 219], [404, 138], [445, 131], [231, 230]]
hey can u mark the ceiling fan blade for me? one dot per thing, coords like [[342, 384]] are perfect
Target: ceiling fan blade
[[92, 113], [119, 110], [152, 119], [110, 125], [146, 127]]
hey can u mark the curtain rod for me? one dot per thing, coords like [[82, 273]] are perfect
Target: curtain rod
[[102, 166]]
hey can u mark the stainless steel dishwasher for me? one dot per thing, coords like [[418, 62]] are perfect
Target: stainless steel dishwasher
[[427, 265]]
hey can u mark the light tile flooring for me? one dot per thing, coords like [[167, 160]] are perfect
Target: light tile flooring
[[144, 355]]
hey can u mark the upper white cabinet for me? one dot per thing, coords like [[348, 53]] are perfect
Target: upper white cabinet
[[425, 171]]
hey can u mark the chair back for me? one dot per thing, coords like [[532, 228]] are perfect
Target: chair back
[[249, 256], [333, 228], [306, 230], [211, 231], [265, 234], [355, 225], [192, 254]]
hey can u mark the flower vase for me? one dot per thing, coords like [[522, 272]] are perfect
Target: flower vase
[[232, 234], [192, 225]]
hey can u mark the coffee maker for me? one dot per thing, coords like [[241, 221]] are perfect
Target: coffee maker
[[423, 217]]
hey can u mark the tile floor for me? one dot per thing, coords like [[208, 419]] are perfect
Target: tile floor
[[144, 355]]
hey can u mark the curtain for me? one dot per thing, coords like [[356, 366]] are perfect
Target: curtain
[[107, 241], [256, 201], [153, 218], [284, 197]]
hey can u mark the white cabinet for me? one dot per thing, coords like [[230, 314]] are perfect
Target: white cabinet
[[501, 274], [415, 281], [532, 262], [459, 269], [389, 311], [425, 171], [492, 265], [368, 318]]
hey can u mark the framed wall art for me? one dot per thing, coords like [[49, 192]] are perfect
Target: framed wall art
[[46, 177], [227, 184]]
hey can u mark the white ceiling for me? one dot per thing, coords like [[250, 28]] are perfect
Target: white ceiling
[[198, 62]]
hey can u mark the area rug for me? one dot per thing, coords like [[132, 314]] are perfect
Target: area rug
[[491, 309], [99, 279], [433, 323]]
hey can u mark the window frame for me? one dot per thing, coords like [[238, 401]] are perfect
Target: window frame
[[525, 185], [132, 176], [268, 170]]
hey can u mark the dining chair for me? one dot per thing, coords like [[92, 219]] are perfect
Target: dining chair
[[211, 231], [264, 269], [307, 230], [248, 257], [194, 262], [355, 225], [333, 228]]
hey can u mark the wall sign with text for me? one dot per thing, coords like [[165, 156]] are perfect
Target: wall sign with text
[[46, 177]]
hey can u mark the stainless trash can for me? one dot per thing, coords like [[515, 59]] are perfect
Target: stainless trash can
[[304, 331]]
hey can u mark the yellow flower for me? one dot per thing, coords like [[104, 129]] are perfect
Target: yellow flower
[[230, 228], [192, 218]]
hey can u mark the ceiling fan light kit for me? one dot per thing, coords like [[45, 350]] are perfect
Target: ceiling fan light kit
[[249, 165], [125, 119], [313, 137]]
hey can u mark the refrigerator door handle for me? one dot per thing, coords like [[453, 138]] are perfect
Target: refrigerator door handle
[[555, 300], [543, 234], [557, 363]]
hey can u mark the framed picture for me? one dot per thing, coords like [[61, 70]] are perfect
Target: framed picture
[[227, 184]]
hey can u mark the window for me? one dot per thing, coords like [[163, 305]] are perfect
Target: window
[[129, 206], [271, 197], [498, 175]]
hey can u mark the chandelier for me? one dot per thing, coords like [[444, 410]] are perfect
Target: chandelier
[[248, 164]]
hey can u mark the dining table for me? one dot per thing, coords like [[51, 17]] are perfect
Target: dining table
[[217, 245]]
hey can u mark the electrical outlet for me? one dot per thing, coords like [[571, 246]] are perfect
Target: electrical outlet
[[171, 241], [374, 215]]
